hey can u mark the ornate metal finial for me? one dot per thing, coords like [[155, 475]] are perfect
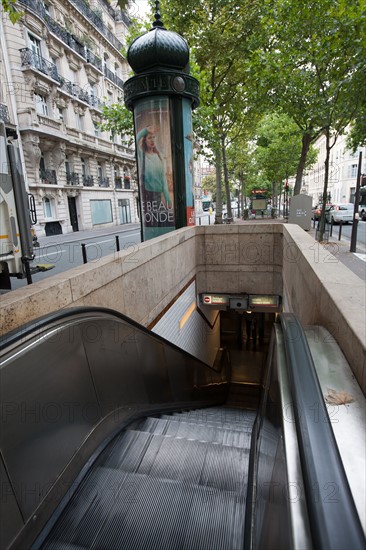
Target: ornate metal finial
[[157, 22]]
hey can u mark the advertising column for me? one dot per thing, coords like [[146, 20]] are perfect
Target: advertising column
[[155, 167], [188, 160]]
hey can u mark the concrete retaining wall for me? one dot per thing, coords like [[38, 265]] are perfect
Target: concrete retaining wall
[[255, 258]]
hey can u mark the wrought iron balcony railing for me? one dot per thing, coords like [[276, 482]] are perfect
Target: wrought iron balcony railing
[[72, 178], [4, 113], [113, 77], [76, 91], [94, 59], [103, 182], [98, 22], [88, 181], [48, 176], [30, 58], [38, 7]]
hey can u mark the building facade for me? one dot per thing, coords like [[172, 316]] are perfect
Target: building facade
[[342, 172], [60, 64]]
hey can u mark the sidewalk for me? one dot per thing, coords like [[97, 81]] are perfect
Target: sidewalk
[[65, 238], [339, 249], [356, 262]]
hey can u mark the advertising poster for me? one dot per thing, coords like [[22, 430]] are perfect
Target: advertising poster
[[188, 160], [154, 157]]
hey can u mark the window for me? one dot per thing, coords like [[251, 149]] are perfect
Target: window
[[79, 121], [83, 167], [124, 211], [353, 170], [41, 104], [101, 211], [47, 208], [67, 166], [100, 170], [61, 114], [35, 45], [96, 128]]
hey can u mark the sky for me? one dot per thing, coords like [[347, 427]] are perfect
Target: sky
[[139, 8]]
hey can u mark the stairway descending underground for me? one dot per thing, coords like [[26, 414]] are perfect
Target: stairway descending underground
[[167, 482]]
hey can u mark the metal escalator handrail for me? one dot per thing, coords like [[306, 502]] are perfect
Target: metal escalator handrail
[[45, 322], [334, 522]]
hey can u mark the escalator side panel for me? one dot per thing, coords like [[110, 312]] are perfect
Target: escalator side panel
[[48, 411], [68, 386]]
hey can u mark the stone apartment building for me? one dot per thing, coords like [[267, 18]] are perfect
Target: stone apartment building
[[58, 65], [342, 172]]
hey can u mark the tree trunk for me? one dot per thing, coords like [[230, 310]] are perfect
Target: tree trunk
[[218, 210], [325, 188], [226, 179], [306, 141]]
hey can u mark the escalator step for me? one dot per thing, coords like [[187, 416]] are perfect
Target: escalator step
[[165, 515], [209, 433], [92, 504], [194, 461], [245, 426], [183, 487], [197, 431]]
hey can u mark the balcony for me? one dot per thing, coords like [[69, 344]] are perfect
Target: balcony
[[29, 58], [76, 91], [96, 20], [103, 182], [113, 77], [94, 60], [118, 182], [48, 177], [127, 182], [88, 181], [72, 41], [4, 113], [72, 178]]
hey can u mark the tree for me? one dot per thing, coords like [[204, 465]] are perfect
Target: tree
[[277, 151], [219, 33], [310, 61], [9, 7]]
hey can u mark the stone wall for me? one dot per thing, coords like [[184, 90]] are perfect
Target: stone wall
[[246, 258]]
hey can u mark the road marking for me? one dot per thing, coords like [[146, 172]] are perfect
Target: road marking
[[50, 253]]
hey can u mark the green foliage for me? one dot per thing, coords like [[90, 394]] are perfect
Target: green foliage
[[118, 120], [278, 147], [309, 61], [10, 8]]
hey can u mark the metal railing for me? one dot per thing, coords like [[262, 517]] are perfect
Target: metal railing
[[48, 176], [113, 77], [118, 182], [29, 58], [103, 182], [72, 178], [38, 7], [4, 113], [88, 181], [98, 22]]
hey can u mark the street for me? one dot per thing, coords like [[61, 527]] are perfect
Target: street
[[68, 254], [346, 232]]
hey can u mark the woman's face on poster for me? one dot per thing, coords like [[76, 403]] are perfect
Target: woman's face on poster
[[150, 141]]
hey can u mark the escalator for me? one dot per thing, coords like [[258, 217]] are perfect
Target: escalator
[[168, 482], [115, 438]]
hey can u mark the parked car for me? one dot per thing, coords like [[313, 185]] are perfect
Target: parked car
[[340, 213], [362, 212], [317, 210]]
